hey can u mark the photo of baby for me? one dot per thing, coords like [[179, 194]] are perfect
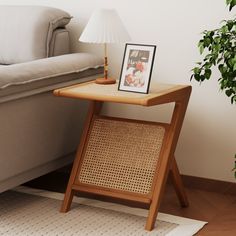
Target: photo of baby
[[136, 68]]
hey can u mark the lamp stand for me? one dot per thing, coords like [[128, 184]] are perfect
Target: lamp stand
[[105, 80]]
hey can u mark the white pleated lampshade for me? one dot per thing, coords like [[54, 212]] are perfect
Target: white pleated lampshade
[[105, 26]]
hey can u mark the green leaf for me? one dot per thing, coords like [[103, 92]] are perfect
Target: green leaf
[[200, 43], [234, 68], [196, 70], [220, 67], [232, 4], [202, 78], [201, 49], [227, 54], [207, 65], [201, 46], [197, 77], [217, 39], [207, 74], [224, 29], [233, 100], [231, 62], [230, 24], [228, 92], [207, 41]]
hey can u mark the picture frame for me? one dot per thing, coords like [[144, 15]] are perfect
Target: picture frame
[[137, 67]]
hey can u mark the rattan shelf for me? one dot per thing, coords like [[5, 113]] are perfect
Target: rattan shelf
[[127, 159]]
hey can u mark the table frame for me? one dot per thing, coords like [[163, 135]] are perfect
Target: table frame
[[180, 96]]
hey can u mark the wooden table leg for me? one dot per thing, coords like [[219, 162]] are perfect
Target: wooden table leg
[[94, 109], [167, 159], [178, 184]]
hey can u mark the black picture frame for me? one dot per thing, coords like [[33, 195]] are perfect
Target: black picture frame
[[137, 68]]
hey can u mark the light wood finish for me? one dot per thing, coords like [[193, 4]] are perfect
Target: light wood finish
[[94, 109], [105, 62], [167, 157], [113, 194], [159, 94], [105, 81]]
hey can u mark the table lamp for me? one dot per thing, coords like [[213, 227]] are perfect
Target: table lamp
[[105, 26]]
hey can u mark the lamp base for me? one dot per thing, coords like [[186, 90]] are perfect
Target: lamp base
[[105, 81]]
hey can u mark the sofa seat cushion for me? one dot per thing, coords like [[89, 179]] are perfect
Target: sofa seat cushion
[[46, 72], [26, 32]]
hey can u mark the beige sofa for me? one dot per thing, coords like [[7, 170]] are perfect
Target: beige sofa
[[38, 132]]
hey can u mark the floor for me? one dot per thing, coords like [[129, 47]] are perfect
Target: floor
[[216, 208], [219, 209]]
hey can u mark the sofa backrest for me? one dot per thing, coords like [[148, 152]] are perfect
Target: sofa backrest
[[26, 32]]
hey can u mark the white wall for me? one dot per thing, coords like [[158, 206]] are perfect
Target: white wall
[[208, 140]]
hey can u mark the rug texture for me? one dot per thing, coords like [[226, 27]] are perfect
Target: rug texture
[[33, 212]]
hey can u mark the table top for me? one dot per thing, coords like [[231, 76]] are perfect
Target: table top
[[158, 93]]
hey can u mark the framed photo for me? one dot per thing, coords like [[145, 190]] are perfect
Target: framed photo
[[137, 68]]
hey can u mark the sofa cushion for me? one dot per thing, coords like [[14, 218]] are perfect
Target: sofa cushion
[[26, 32], [48, 72]]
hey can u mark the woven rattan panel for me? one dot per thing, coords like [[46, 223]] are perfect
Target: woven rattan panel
[[122, 155]]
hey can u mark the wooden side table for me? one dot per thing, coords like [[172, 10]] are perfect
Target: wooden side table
[[127, 159]]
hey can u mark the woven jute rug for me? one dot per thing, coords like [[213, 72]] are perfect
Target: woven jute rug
[[27, 211]]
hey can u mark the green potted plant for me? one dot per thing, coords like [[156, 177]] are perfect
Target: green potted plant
[[218, 48]]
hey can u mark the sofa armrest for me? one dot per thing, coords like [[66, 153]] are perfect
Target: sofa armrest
[[26, 31], [29, 72]]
